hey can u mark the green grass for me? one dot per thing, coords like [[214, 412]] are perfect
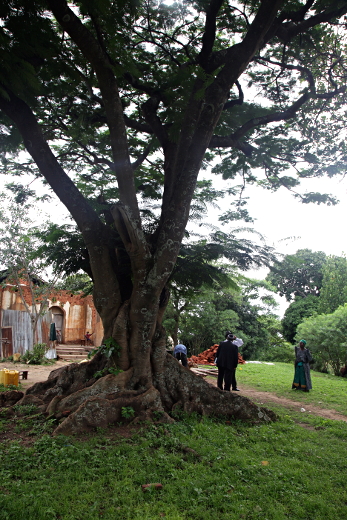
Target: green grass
[[209, 470], [328, 391], [223, 478]]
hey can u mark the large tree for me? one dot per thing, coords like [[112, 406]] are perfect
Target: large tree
[[117, 102], [299, 275]]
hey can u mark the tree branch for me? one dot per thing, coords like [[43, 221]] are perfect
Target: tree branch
[[218, 141], [21, 114], [270, 118], [288, 31], [96, 56], [233, 102], [210, 32]]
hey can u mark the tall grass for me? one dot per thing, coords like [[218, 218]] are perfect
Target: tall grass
[[209, 470]]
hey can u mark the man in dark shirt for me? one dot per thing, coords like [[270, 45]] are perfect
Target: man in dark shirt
[[227, 360]]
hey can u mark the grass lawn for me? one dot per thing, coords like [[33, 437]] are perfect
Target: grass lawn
[[209, 470], [328, 391]]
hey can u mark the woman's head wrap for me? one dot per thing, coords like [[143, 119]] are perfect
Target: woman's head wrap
[[303, 341]]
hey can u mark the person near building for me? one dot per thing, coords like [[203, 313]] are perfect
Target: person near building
[[227, 358], [180, 353], [88, 335]]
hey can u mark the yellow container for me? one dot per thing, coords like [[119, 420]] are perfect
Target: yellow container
[[11, 377], [2, 376]]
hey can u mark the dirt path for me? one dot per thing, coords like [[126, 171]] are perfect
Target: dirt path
[[265, 398], [37, 373]]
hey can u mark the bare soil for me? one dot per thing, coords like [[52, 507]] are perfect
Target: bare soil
[[36, 373]]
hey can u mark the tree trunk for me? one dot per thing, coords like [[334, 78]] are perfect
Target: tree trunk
[[153, 384]]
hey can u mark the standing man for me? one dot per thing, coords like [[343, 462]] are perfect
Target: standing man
[[227, 359], [180, 353]]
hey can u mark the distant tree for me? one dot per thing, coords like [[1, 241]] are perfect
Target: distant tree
[[300, 274], [274, 347], [203, 324], [254, 305], [326, 336], [334, 285], [23, 269], [299, 309]]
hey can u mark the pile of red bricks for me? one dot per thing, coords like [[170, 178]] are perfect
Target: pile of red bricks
[[208, 356]]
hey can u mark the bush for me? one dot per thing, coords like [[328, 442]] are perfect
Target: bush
[[283, 353], [325, 335], [36, 356]]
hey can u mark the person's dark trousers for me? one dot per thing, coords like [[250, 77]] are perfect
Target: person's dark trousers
[[182, 357], [229, 378]]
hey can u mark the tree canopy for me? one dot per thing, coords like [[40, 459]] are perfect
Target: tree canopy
[[121, 104], [334, 286], [298, 275]]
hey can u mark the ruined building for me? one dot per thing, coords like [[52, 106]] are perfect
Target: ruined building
[[72, 314]]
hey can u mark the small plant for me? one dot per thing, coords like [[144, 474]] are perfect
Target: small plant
[[112, 370], [25, 409], [127, 412], [35, 356], [108, 348], [4, 388]]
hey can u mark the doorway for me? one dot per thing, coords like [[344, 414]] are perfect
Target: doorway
[[58, 318], [6, 342]]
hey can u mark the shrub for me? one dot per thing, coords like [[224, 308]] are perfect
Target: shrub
[[283, 352], [36, 356], [325, 335]]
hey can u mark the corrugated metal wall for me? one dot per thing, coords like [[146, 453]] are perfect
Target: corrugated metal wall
[[21, 329]]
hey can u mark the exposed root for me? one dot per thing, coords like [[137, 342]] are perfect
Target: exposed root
[[100, 412], [81, 404]]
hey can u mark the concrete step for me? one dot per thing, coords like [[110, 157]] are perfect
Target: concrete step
[[71, 357], [72, 352], [67, 350]]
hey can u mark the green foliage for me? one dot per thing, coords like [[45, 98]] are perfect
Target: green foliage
[[110, 370], [280, 351], [204, 325], [25, 409], [300, 274], [299, 309], [206, 318], [127, 412], [326, 338], [334, 286], [36, 356], [109, 348], [4, 388]]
